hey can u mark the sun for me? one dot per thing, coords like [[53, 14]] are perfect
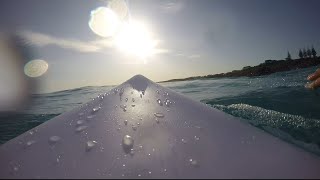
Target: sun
[[134, 38], [129, 37]]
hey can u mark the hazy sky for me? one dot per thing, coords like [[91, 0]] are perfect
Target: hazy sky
[[194, 37]]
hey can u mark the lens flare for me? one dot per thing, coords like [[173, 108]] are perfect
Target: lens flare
[[104, 22], [120, 8], [36, 68]]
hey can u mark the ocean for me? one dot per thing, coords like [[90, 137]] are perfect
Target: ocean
[[278, 104]]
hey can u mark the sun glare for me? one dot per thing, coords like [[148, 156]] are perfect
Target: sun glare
[[129, 37], [135, 39]]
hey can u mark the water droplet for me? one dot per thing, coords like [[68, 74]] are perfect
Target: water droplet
[[133, 105], [121, 92], [149, 172], [131, 152], [193, 162], [165, 170], [31, 132], [126, 99], [90, 117], [54, 139], [184, 141], [159, 115], [90, 145], [80, 122], [196, 138], [133, 100], [134, 127], [16, 168], [118, 129], [157, 121], [81, 128], [123, 107], [138, 124], [140, 147], [123, 165], [139, 175], [157, 91], [127, 143], [115, 91], [159, 102], [95, 109], [125, 122], [101, 149], [166, 94], [29, 143], [167, 102], [58, 159]]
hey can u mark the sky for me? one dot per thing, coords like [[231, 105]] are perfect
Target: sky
[[190, 37]]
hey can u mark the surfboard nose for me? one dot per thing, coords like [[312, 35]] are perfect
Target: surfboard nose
[[139, 82], [138, 78]]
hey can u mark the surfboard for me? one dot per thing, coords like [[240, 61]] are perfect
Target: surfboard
[[143, 130]]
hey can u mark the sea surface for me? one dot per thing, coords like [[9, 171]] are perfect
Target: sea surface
[[277, 103]]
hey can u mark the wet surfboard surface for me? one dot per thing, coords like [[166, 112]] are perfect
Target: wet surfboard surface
[[143, 130]]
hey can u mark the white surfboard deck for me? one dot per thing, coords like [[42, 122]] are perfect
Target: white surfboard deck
[[191, 140]]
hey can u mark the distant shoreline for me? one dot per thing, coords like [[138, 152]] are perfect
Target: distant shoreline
[[266, 68]]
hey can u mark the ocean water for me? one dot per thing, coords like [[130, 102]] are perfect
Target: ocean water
[[277, 103]]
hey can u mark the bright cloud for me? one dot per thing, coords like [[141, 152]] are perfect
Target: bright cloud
[[42, 40], [95, 46]]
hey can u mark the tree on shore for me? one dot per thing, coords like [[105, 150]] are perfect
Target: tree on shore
[[300, 54], [304, 53], [309, 53], [289, 56], [313, 52]]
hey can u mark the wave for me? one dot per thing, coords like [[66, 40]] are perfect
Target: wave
[[303, 132], [291, 100], [14, 124], [79, 89]]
